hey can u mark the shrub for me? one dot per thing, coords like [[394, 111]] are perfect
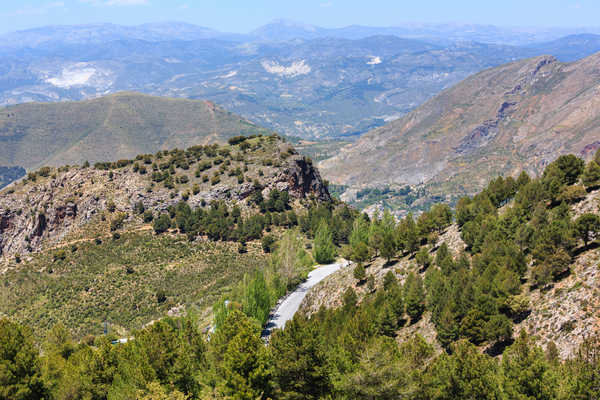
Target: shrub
[[44, 172], [161, 296], [591, 175], [148, 216], [359, 272], [59, 255], [236, 140], [139, 208], [117, 221], [268, 243], [161, 224], [572, 194]]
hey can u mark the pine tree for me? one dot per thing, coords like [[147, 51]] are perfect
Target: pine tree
[[587, 227], [414, 296], [387, 321], [591, 175], [20, 377], [423, 258], [301, 370], [359, 272], [323, 250], [526, 370]]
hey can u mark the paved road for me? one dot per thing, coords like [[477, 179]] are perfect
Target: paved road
[[285, 310]]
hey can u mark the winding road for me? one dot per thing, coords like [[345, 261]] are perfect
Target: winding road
[[287, 307]]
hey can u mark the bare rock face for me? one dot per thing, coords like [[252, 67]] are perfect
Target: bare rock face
[[301, 178]]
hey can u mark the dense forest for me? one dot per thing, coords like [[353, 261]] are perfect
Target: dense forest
[[520, 234]]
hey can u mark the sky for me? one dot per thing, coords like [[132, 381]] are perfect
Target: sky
[[242, 16]]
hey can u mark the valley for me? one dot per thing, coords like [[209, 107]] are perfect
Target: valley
[[299, 212]]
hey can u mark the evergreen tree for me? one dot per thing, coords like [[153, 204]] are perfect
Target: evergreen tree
[[381, 373], [240, 359], [423, 258], [323, 250], [414, 296], [591, 175], [527, 373], [388, 246], [587, 227], [20, 376], [302, 368], [162, 223], [465, 374], [359, 272]]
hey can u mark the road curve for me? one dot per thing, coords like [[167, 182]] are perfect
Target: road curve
[[287, 307]]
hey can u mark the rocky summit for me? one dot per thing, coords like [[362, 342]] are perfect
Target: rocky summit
[[52, 203]]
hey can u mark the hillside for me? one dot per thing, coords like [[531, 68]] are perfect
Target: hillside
[[544, 232], [519, 116], [496, 300], [90, 243], [109, 128]]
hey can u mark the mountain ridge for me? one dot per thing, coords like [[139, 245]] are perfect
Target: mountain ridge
[[521, 115], [117, 126]]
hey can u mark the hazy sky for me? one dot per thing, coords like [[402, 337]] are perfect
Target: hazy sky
[[245, 15]]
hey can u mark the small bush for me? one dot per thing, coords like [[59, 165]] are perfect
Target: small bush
[[268, 243], [117, 221], [110, 206], [148, 216], [59, 255], [161, 296]]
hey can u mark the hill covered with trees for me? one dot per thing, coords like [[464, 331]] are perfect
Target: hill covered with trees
[[483, 276]]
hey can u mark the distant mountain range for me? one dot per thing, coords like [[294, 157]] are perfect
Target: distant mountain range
[[299, 80], [283, 30], [114, 127], [519, 116]]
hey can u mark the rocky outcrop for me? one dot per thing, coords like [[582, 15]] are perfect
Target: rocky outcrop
[[34, 215], [301, 178]]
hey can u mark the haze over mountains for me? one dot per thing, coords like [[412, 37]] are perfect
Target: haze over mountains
[[299, 80], [519, 116]]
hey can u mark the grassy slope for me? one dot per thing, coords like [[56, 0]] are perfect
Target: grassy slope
[[110, 128], [118, 281]]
